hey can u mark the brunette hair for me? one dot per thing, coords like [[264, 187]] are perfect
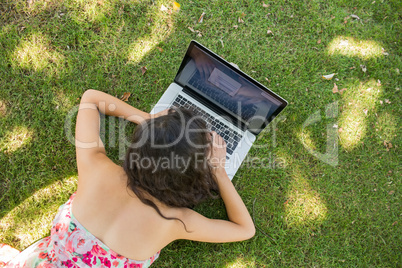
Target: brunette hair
[[168, 160]]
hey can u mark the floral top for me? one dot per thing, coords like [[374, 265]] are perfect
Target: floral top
[[71, 245]]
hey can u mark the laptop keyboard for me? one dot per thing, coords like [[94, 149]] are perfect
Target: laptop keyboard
[[231, 137]]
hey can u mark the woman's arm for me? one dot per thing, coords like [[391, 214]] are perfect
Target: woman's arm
[[90, 150], [240, 225], [110, 105]]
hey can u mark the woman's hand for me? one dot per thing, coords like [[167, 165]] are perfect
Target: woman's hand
[[217, 156], [240, 225]]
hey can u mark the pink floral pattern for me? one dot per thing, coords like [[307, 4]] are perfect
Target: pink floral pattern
[[71, 245]]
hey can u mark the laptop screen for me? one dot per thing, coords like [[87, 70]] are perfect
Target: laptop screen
[[228, 88]]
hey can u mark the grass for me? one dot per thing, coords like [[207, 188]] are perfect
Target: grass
[[308, 212]]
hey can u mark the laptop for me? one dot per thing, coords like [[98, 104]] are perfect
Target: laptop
[[232, 103]]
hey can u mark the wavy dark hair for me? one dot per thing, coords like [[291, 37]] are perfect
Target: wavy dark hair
[[168, 160]]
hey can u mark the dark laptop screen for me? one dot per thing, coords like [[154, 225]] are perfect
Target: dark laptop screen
[[227, 87]]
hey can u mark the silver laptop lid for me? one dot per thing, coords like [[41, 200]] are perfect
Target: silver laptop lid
[[236, 95]]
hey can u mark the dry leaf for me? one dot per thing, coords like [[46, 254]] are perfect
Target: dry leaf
[[265, 5], [176, 6], [355, 16], [378, 82], [391, 192], [319, 41], [160, 49], [163, 8], [235, 26], [353, 67], [201, 17], [125, 96], [364, 69], [270, 32], [387, 145], [328, 76], [143, 69], [342, 90], [199, 34], [365, 111], [240, 20], [387, 101], [335, 89], [191, 29]]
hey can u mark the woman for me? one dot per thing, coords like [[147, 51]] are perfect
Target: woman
[[124, 216]]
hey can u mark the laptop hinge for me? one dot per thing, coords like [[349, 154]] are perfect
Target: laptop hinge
[[238, 123]]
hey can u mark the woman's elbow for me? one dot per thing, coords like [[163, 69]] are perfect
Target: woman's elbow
[[248, 232], [251, 232]]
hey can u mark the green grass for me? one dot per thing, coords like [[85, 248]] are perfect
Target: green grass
[[308, 213]]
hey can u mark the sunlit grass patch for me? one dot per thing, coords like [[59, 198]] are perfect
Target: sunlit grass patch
[[319, 134], [15, 139], [43, 5], [304, 207], [240, 263], [305, 137], [162, 27], [91, 10], [32, 219], [35, 53], [359, 101], [352, 47]]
